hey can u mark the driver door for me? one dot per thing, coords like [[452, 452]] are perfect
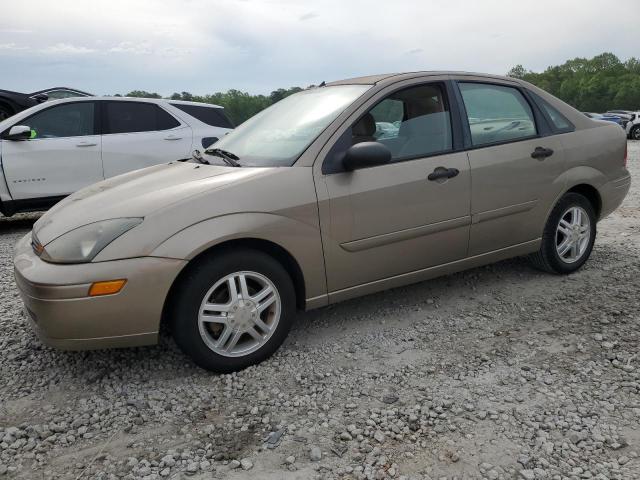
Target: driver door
[[386, 221], [62, 156]]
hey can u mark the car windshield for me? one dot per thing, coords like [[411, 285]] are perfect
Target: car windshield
[[278, 135]]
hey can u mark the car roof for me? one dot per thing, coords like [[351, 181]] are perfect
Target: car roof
[[132, 99], [388, 77], [198, 104], [60, 88]]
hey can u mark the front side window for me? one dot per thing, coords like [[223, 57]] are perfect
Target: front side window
[[278, 135], [67, 120], [131, 117], [497, 113], [413, 122]]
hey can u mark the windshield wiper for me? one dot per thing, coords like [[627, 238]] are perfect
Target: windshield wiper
[[196, 155], [228, 157]]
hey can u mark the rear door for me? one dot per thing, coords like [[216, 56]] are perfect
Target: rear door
[[140, 134], [62, 156], [515, 165]]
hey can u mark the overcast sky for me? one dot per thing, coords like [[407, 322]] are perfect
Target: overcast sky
[[203, 46]]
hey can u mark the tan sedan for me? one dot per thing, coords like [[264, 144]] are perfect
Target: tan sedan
[[335, 192]]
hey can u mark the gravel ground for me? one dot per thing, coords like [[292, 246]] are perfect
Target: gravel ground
[[500, 372]]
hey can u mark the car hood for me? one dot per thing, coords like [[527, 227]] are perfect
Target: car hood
[[137, 194]]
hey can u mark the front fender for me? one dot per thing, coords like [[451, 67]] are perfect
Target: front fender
[[300, 239]]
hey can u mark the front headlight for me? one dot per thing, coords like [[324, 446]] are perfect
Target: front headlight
[[82, 244]]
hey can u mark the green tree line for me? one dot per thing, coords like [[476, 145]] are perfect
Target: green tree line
[[598, 84], [238, 105]]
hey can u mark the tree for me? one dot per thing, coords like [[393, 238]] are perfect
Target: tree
[[281, 93], [518, 72], [597, 84], [143, 94]]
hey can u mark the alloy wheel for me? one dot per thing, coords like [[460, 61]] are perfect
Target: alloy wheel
[[573, 234], [239, 314]]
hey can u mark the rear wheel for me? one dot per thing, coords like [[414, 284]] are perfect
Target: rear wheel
[[635, 132], [568, 236], [232, 310]]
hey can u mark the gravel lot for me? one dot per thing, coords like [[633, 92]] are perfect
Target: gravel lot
[[498, 372]]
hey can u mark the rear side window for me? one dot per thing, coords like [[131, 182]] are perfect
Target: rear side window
[[130, 117], [558, 120], [497, 113], [66, 120], [209, 115]]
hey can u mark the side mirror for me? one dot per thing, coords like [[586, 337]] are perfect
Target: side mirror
[[366, 154], [41, 97], [18, 132]]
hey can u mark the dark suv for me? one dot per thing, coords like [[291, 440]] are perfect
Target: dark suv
[[14, 102]]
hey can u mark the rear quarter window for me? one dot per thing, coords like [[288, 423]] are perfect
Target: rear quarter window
[[209, 115], [559, 122]]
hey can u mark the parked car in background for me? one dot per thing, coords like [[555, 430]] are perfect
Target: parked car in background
[[633, 122], [58, 147], [607, 117], [301, 206], [14, 102]]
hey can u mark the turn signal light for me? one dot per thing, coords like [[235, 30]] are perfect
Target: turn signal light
[[106, 288]]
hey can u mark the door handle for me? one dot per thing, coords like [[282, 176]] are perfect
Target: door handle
[[86, 144], [441, 173], [541, 153], [172, 137]]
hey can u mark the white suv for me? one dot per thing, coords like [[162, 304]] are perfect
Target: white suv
[[53, 149]]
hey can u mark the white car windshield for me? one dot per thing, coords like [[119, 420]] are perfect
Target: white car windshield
[[278, 135]]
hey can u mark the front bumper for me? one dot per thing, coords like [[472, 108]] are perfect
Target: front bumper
[[64, 316]]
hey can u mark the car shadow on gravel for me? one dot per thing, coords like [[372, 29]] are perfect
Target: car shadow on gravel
[[18, 222]]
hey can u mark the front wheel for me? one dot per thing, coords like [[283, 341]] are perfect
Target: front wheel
[[568, 236], [635, 132], [232, 310]]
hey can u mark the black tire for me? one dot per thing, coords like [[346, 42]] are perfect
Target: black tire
[[547, 258], [194, 284], [634, 134]]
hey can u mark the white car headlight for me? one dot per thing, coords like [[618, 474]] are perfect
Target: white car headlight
[[82, 244]]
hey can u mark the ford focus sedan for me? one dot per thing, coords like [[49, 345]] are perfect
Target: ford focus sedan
[[317, 200]]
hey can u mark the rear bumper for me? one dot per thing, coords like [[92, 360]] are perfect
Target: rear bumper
[[64, 316], [613, 193]]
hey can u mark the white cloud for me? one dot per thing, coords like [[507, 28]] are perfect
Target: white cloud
[[132, 48], [109, 46], [12, 46], [67, 49]]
